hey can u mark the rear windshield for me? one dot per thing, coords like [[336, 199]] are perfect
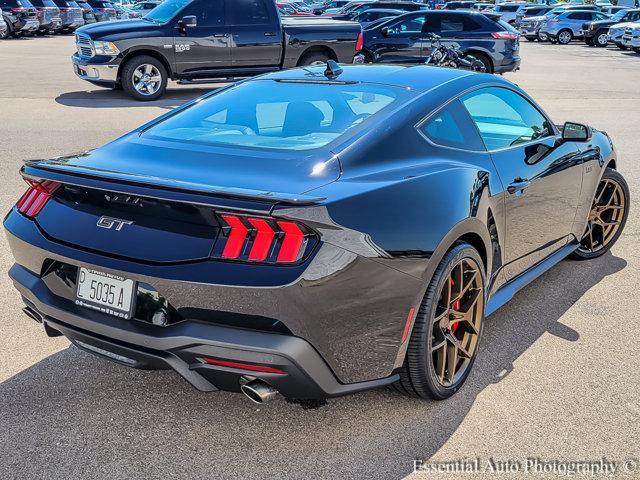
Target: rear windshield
[[270, 114]]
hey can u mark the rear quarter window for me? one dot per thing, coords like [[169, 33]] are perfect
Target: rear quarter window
[[452, 127]]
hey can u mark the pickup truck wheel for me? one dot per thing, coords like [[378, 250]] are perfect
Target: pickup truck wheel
[[144, 78], [601, 39], [313, 58]]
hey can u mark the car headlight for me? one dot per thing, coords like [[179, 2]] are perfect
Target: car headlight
[[105, 48]]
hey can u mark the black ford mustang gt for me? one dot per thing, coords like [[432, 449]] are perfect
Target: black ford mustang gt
[[313, 232]]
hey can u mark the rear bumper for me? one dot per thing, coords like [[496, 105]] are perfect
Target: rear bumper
[[633, 42], [306, 375], [509, 64], [349, 310]]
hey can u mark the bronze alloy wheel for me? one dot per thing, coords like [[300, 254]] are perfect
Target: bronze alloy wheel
[[457, 322], [605, 218]]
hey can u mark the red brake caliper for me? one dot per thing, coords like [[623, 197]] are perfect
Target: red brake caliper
[[456, 307]]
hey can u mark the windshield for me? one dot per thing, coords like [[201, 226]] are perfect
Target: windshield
[[286, 115], [620, 15], [166, 10]]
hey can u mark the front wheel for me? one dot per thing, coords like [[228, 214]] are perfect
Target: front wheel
[[144, 78], [565, 37], [601, 39], [543, 37], [447, 329], [607, 217]]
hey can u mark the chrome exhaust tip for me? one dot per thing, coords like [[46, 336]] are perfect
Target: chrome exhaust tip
[[31, 313], [258, 392]]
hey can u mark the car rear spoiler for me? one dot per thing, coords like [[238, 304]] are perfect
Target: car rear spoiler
[[156, 187], [492, 16]]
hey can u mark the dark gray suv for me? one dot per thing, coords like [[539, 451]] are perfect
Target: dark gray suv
[[406, 38]]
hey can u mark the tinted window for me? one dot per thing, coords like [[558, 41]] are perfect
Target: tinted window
[[267, 114], [452, 127], [247, 12], [208, 14], [505, 118], [166, 10], [509, 8], [454, 22], [408, 25]]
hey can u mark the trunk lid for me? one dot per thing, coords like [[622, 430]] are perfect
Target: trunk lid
[[156, 201]]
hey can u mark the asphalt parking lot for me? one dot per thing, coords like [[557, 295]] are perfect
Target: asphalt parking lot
[[556, 378]]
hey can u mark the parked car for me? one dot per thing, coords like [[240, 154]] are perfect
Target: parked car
[[372, 15], [308, 264], [566, 26], [509, 11], [407, 39], [88, 14], [20, 16], [616, 33], [71, 15], [103, 11], [320, 8], [291, 10], [631, 37], [4, 30], [528, 12], [108, 55], [363, 7], [613, 10], [480, 7], [123, 13], [597, 32], [458, 5], [48, 16], [145, 7]]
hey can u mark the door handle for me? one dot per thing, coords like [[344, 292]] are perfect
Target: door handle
[[518, 186], [269, 34]]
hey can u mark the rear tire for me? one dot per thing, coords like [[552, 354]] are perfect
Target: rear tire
[[636, 49], [621, 46], [141, 88], [313, 58], [531, 38], [486, 61], [423, 374]]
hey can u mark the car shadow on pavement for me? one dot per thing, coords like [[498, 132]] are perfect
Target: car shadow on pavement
[[76, 415], [106, 98]]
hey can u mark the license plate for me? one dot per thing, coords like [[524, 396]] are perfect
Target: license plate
[[105, 292]]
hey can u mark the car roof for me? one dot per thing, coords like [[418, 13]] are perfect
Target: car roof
[[419, 78], [384, 10]]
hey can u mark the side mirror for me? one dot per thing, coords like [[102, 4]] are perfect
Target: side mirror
[[576, 132], [188, 21], [386, 32]]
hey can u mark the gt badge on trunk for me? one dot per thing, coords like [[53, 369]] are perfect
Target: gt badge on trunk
[[112, 223]]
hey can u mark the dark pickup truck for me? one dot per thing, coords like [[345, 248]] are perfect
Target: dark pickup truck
[[193, 41]]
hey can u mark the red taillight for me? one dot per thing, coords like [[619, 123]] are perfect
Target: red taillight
[[262, 239], [35, 197], [237, 237], [242, 366], [292, 242], [360, 42], [504, 35]]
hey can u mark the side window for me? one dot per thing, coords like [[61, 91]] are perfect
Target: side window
[[433, 23], [600, 16], [409, 25], [247, 12], [452, 127], [505, 118], [452, 24], [209, 13]]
